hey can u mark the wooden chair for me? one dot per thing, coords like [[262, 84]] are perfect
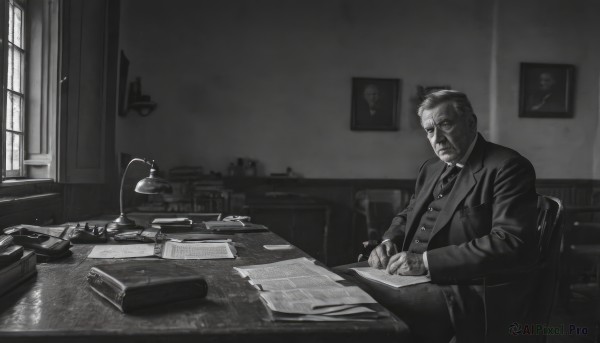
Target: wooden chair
[[542, 276], [582, 248], [375, 209]]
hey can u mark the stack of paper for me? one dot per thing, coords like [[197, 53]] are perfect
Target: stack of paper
[[172, 221], [197, 250], [172, 250], [299, 290], [172, 224], [233, 226]]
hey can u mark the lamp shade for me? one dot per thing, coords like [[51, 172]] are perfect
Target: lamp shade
[[153, 185]]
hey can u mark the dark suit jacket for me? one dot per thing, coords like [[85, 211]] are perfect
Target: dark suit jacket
[[488, 225]]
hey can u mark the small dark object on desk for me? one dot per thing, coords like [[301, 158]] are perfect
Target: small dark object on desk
[[88, 234], [45, 246], [133, 236], [136, 284], [59, 231]]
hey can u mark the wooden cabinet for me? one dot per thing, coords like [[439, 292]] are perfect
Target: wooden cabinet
[[302, 222]]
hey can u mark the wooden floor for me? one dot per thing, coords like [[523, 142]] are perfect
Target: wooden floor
[[583, 311]]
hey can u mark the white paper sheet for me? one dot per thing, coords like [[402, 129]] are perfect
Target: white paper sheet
[[277, 246], [122, 251], [316, 301], [197, 251], [318, 281], [297, 267], [382, 276]]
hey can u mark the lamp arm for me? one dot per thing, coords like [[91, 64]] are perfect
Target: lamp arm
[[123, 179]]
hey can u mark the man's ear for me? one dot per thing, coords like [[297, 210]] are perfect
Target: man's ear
[[474, 121]]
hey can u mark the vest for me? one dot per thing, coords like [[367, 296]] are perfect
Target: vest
[[439, 197]]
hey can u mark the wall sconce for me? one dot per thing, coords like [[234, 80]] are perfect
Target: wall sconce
[[142, 104], [148, 185]]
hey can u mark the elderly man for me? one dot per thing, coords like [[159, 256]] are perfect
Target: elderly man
[[473, 214]]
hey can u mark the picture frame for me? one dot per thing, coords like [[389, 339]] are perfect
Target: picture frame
[[546, 90], [374, 104]]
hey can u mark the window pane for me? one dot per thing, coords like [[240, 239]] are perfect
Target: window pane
[[17, 106], [11, 23], [16, 154], [12, 151], [18, 28], [18, 64], [11, 64], [9, 111]]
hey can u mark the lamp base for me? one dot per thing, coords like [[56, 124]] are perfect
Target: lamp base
[[123, 222]]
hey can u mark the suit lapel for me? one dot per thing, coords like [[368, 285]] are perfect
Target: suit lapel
[[465, 181]]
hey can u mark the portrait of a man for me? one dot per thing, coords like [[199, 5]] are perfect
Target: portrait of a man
[[374, 104], [546, 90]]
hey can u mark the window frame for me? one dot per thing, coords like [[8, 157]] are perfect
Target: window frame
[[22, 95], [40, 85]]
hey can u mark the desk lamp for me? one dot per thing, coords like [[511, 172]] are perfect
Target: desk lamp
[[148, 185]]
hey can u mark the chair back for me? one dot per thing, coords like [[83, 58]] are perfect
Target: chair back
[[550, 235], [379, 206], [534, 286]]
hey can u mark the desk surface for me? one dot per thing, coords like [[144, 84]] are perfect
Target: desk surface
[[58, 305]]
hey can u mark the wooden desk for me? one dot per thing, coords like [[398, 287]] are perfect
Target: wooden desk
[[58, 306]]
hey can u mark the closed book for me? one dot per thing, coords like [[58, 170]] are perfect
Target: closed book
[[137, 284], [14, 274], [10, 255], [5, 242]]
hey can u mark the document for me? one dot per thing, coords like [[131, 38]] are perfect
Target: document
[[396, 281], [300, 290], [318, 281], [277, 246], [197, 250], [317, 301], [299, 267], [196, 236], [122, 251]]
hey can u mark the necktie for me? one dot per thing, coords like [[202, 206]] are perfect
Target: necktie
[[449, 174]]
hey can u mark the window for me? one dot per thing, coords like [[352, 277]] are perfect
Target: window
[[14, 123]]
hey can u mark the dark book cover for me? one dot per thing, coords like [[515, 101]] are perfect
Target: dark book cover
[[10, 255], [14, 274], [136, 284]]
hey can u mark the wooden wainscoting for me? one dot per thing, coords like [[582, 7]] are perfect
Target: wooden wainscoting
[[347, 227]]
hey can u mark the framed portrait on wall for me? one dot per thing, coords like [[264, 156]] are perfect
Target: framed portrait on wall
[[546, 90], [374, 104]]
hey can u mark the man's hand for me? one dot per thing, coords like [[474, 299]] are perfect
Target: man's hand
[[381, 255], [406, 263]]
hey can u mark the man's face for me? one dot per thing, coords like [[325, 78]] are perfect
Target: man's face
[[449, 133], [372, 95], [546, 81]]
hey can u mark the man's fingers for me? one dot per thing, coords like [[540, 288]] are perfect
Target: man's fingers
[[383, 257], [374, 260], [396, 262], [390, 249]]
